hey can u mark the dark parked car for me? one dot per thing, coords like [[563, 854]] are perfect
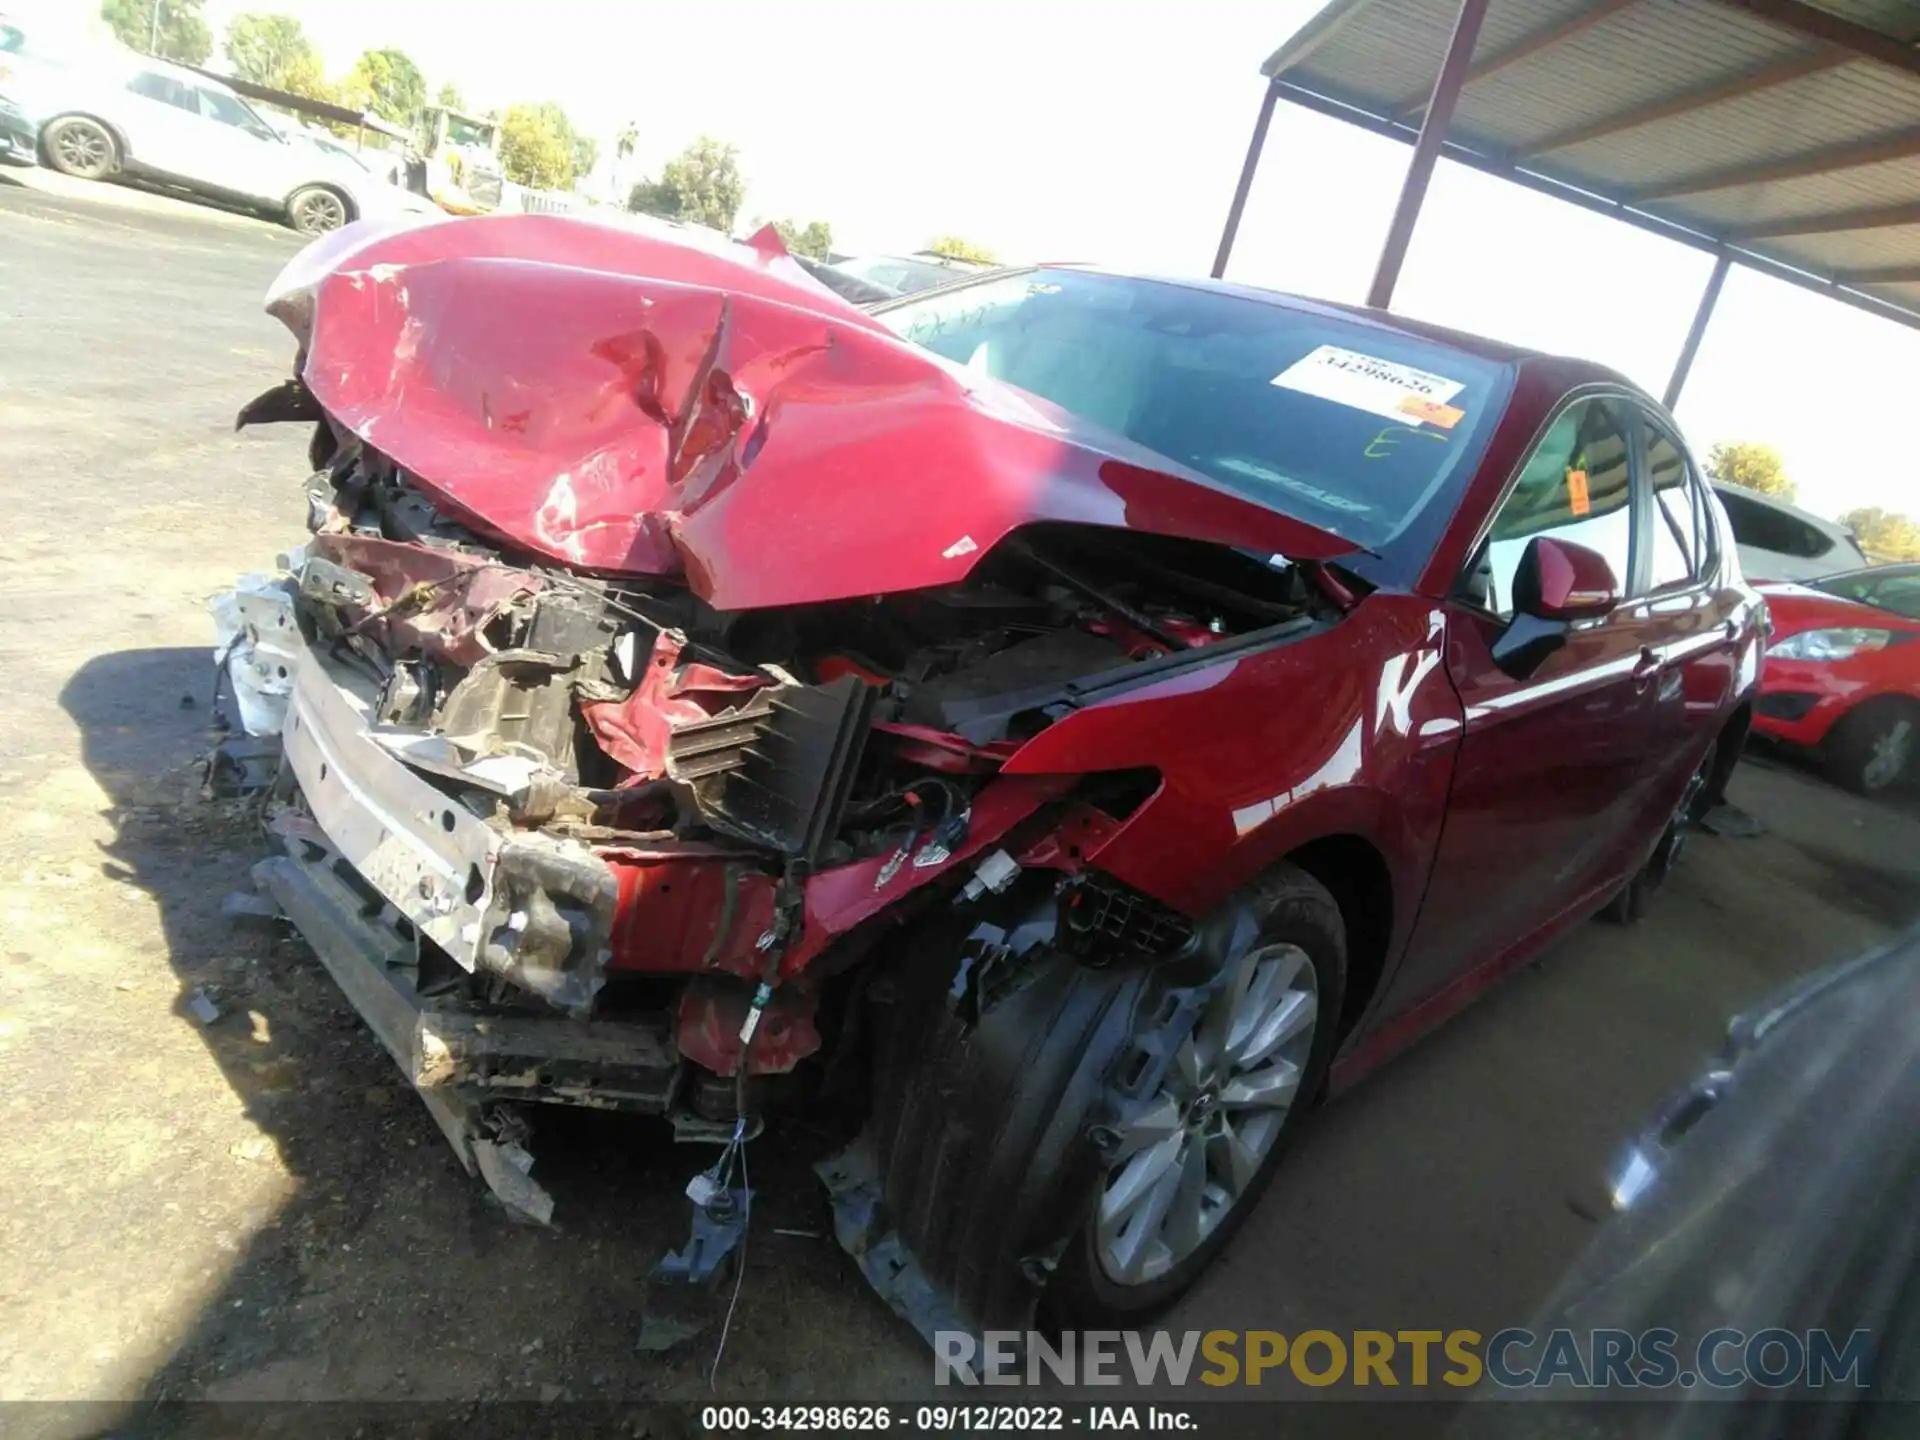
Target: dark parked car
[[1102, 712], [1761, 1276]]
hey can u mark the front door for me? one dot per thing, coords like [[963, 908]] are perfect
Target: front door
[[1553, 767], [243, 156]]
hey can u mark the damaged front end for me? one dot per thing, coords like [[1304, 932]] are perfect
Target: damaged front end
[[602, 813]]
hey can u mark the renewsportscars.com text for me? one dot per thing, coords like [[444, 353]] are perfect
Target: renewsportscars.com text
[[1512, 1359]]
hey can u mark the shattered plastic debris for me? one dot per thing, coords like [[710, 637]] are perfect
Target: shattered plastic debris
[[202, 1007], [683, 1286], [246, 622], [1730, 822], [504, 1166]]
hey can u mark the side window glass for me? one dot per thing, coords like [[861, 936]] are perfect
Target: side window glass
[[226, 110], [1573, 487], [1678, 547], [165, 89]]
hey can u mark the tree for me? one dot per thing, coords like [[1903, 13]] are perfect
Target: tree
[[306, 75], [814, 240], [388, 83], [954, 248], [586, 151], [538, 146], [274, 50], [450, 97], [702, 186], [1884, 534], [627, 141], [1751, 466], [169, 29]]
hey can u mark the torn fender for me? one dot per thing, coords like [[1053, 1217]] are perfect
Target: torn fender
[[629, 404]]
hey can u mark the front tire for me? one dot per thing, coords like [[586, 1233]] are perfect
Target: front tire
[[1873, 749], [1191, 1163], [82, 148], [1001, 1145]]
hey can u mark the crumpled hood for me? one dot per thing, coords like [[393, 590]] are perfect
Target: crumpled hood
[[644, 401]]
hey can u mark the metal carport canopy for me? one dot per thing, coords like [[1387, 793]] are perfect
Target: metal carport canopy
[[1778, 134]]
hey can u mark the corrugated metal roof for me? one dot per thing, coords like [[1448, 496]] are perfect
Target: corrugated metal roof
[[1721, 122]]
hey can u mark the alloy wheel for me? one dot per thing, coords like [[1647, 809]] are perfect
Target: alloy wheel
[[1189, 1155], [82, 150], [1892, 749], [318, 212]]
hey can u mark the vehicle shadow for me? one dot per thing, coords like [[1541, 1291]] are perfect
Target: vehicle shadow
[[388, 1274]]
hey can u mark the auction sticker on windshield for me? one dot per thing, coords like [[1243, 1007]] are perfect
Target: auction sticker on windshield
[[1380, 387]]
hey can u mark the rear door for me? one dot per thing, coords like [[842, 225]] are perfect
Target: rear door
[[162, 117], [1553, 769]]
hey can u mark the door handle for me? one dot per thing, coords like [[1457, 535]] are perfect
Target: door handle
[[1646, 667]]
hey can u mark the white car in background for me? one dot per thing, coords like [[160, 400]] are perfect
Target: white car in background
[[110, 113], [1778, 541]]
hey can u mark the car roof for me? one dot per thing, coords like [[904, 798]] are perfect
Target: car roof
[[133, 62], [1563, 369]]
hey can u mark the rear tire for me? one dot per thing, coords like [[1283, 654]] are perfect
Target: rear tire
[[1873, 749], [82, 148], [1701, 795], [317, 210]]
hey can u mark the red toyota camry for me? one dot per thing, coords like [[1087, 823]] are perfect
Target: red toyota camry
[[1096, 712], [1843, 673]]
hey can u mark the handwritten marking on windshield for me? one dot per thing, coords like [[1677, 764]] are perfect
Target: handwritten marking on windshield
[[1388, 440]]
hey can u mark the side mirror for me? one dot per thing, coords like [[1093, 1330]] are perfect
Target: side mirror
[[1555, 583]]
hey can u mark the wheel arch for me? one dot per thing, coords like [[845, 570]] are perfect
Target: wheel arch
[[1358, 877]]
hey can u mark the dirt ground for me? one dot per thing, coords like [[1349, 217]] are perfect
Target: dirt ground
[[255, 1208]]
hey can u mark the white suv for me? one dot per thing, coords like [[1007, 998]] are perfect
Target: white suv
[[109, 113]]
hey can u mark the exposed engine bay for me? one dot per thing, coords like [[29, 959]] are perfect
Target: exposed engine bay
[[629, 717]]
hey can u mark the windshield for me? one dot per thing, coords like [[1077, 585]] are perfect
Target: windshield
[[1355, 429], [468, 132], [1894, 588]]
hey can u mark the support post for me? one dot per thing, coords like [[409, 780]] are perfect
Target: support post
[[1254, 147], [1433, 131], [1708, 299]]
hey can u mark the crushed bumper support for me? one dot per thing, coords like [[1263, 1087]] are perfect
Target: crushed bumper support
[[467, 1068]]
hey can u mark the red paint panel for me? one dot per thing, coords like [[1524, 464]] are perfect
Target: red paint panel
[[675, 913], [713, 1012]]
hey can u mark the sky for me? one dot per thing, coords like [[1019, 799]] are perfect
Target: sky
[[1113, 133]]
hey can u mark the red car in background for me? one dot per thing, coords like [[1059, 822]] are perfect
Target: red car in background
[[1843, 674], [1089, 715]]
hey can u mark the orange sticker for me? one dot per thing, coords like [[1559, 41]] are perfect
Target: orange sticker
[[1432, 411], [1577, 492]]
